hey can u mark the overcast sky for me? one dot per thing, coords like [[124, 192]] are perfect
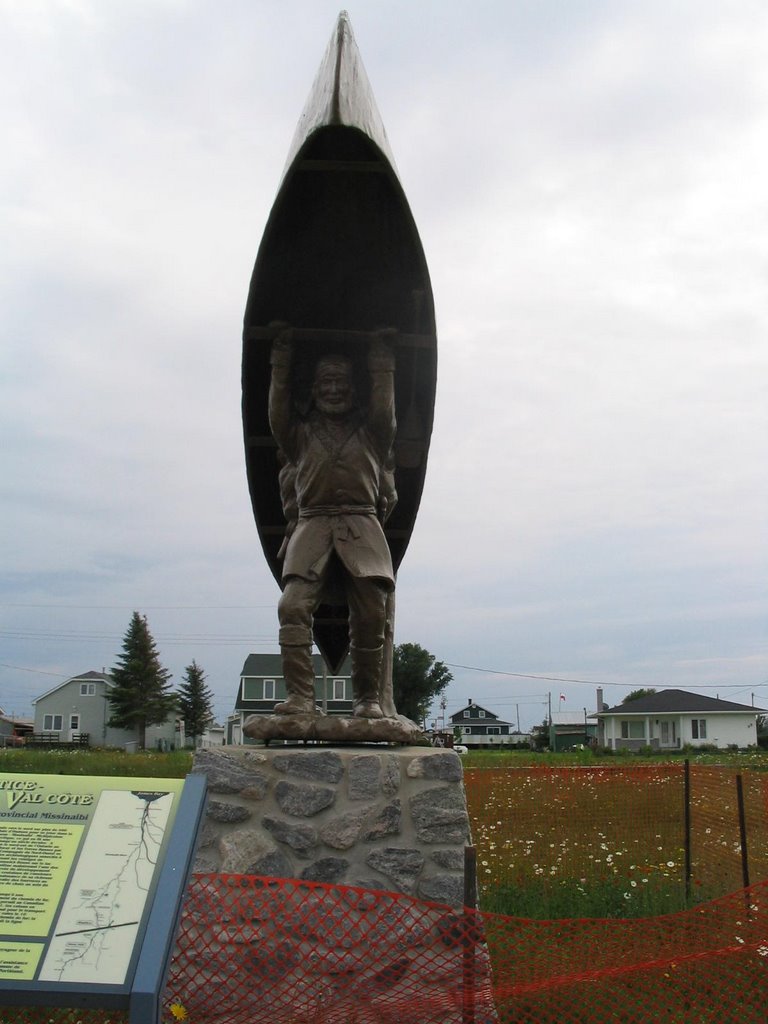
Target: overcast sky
[[589, 182]]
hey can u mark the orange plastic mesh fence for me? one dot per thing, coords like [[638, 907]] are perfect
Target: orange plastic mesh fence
[[258, 950]]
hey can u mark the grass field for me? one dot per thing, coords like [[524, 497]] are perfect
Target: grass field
[[146, 764], [610, 840]]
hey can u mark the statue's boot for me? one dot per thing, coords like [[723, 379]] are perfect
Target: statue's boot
[[366, 670], [299, 674]]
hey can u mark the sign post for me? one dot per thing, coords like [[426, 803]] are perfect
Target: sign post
[[92, 876]]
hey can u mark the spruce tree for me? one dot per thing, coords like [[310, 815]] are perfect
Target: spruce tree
[[141, 695], [195, 701]]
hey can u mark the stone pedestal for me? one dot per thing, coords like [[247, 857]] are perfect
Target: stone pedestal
[[391, 819]]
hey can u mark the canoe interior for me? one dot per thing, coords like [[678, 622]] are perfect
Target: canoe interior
[[340, 258]]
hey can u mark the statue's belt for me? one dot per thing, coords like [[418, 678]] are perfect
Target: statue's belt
[[339, 511]]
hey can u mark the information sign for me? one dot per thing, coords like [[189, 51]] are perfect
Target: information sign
[[83, 861]]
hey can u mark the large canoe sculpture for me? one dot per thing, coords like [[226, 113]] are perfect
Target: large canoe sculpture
[[340, 259]]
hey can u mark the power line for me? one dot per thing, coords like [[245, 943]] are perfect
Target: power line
[[144, 607], [34, 671], [596, 682], [530, 675]]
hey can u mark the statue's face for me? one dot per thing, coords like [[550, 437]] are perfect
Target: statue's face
[[333, 391]]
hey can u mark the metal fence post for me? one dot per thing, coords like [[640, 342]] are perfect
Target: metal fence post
[[742, 831], [470, 935], [687, 827]]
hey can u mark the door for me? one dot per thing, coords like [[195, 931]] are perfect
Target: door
[[669, 734], [74, 728]]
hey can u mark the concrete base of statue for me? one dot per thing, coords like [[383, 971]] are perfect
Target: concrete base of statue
[[380, 819], [389, 818]]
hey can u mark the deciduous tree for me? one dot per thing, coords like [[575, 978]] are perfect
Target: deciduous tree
[[195, 701], [416, 680], [141, 695]]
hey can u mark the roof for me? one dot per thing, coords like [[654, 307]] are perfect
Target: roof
[[271, 665], [15, 720], [568, 718], [488, 716], [82, 676], [678, 701]]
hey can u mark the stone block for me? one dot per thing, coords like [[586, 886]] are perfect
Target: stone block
[[226, 813], [317, 766], [440, 815], [364, 773], [401, 866], [301, 838], [387, 822], [445, 766], [343, 831], [303, 801]]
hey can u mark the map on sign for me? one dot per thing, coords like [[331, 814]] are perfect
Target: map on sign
[[96, 928]]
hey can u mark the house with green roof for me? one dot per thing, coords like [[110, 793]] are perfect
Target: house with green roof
[[262, 685]]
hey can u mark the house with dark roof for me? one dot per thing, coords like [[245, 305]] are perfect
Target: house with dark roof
[[78, 710], [480, 727], [262, 685], [672, 719]]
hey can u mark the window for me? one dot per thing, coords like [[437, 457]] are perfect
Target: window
[[259, 689], [467, 730], [466, 713], [74, 722], [633, 729], [87, 689], [338, 689], [481, 714], [493, 730], [52, 723], [699, 728]]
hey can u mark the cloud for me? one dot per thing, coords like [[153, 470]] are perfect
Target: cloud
[[587, 181]]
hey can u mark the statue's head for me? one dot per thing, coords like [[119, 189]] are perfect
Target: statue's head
[[333, 390]]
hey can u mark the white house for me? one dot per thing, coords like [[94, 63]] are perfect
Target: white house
[[672, 719], [79, 707]]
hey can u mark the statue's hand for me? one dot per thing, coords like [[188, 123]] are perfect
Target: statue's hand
[[381, 356], [282, 346]]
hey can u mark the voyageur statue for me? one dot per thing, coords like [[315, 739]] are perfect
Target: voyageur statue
[[338, 490], [337, 414]]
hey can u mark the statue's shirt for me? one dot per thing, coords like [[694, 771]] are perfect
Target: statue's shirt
[[337, 491]]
